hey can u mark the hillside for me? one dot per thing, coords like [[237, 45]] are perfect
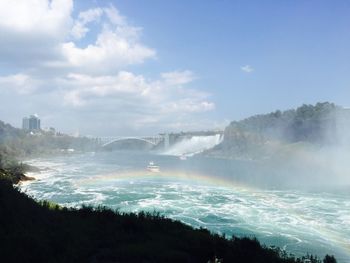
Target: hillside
[[309, 126]]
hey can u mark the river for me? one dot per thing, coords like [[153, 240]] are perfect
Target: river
[[203, 192]]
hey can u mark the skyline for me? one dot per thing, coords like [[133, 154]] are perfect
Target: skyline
[[131, 67]]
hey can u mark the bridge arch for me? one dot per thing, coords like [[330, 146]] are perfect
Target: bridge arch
[[154, 143]]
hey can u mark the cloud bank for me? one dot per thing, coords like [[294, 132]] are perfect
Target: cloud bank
[[76, 72]]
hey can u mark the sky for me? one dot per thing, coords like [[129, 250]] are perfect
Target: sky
[[139, 67]]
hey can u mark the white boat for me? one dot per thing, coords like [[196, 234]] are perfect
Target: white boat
[[152, 167], [183, 157]]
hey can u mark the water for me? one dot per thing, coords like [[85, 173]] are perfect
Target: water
[[211, 193]]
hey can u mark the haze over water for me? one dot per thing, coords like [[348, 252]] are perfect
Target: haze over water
[[202, 192]]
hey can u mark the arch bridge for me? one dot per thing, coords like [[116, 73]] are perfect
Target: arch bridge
[[154, 140]]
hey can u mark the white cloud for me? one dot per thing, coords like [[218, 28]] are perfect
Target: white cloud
[[110, 52], [31, 30], [124, 103], [85, 89], [74, 69], [247, 69], [159, 94], [23, 16], [178, 77], [80, 28], [117, 45], [132, 102], [43, 33], [21, 83], [114, 16]]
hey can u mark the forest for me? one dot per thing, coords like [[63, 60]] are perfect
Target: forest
[[312, 126]]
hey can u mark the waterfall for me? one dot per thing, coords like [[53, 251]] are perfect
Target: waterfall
[[193, 145]]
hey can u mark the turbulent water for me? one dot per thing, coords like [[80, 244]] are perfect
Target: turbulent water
[[200, 192]]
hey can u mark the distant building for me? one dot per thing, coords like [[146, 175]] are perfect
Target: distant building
[[25, 123], [31, 124]]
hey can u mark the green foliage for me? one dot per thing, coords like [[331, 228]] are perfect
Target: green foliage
[[317, 125], [329, 259], [306, 123]]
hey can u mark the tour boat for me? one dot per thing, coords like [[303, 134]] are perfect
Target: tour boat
[[152, 167], [183, 157]]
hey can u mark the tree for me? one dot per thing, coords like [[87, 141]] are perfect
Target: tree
[[329, 259]]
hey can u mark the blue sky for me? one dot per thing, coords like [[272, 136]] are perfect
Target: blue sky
[[299, 49], [143, 67]]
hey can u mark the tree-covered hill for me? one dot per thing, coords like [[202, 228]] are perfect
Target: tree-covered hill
[[322, 124]]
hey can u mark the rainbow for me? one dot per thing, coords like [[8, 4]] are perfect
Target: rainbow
[[171, 175]]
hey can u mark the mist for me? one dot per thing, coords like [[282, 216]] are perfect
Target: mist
[[323, 163], [193, 145], [306, 148]]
